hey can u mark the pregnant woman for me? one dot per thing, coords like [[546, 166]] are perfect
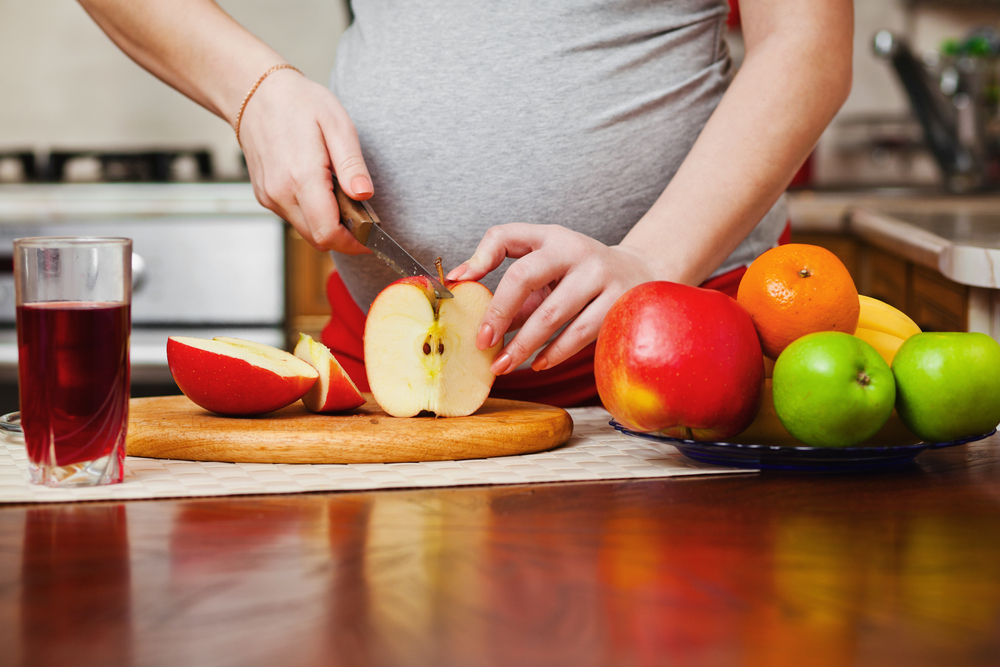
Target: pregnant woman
[[560, 152]]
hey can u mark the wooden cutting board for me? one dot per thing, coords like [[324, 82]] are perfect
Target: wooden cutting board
[[172, 427]]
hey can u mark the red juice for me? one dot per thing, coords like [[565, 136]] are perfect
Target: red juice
[[74, 379]]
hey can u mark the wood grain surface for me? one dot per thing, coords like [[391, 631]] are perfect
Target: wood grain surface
[[175, 428], [862, 569]]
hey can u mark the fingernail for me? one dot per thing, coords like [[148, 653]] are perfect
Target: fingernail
[[539, 364], [500, 364], [457, 273], [484, 339], [362, 186]]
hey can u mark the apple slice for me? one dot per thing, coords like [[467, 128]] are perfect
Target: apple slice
[[420, 352], [235, 377], [335, 391]]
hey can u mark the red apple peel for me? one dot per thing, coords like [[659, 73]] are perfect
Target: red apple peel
[[679, 360]]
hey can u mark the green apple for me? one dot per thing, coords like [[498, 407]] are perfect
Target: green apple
[[832, 389], [948, 385]]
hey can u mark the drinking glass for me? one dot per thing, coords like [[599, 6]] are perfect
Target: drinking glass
[[74, 298]]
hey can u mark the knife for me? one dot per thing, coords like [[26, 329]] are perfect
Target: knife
[[360, 218]]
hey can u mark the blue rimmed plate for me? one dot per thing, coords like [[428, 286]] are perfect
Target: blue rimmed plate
[[802, 458]]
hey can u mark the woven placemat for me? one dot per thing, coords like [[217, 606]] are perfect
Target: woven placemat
[[594, 452]]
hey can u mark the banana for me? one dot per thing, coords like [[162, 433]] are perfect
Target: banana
[[767, 429], [885, 344], [879, 316]]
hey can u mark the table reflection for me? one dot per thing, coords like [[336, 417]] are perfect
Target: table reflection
[[76, 610], [723, 571], [510, 579]]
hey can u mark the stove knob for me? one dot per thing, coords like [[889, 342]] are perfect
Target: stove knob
[[138, 272]]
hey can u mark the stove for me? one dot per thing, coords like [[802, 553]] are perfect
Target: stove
[[146, 165], [208, 259]]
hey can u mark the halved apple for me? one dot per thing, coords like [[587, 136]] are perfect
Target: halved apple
[[420, 352], [235, 377], [335, 391]]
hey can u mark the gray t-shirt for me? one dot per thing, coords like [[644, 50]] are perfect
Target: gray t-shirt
[[481, 112]]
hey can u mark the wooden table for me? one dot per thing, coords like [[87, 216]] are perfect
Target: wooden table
[[892, 568]]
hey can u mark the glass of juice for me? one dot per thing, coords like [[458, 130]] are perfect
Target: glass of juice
[[74, 298]]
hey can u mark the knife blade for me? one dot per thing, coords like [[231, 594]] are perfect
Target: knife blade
[[360, 218]]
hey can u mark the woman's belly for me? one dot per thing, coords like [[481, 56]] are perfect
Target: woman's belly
[[473, 115]]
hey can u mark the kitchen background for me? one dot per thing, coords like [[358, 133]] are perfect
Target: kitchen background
[[66, 87]]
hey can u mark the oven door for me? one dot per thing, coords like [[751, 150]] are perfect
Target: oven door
[[197, 275]]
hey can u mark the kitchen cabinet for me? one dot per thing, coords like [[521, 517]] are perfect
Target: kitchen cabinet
[[936, 303], [306, 274], [884, 276], [931, 300]]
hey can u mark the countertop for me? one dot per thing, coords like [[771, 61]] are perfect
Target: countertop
[[889, 568], [956, 235], [56, 201]]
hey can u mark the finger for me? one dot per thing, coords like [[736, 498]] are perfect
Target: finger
[[345, 154], [530, 304], [577, 335], [515, 239], [528, 274], [317, 206], [565, 301]]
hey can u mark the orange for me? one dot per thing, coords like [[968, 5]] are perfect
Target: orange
[[797, 289]]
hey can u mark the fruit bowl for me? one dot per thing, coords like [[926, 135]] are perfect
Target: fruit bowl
[[798, 458]]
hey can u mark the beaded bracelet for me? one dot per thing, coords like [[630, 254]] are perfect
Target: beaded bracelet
[[239, 116]]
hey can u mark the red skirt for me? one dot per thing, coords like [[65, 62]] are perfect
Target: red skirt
[[568, 384]]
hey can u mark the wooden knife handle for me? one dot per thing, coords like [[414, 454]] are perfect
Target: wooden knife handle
[[353, 214]]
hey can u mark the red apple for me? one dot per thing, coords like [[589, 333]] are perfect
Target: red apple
[[235, 377], [679, 360], [335, 391], [420, 351]]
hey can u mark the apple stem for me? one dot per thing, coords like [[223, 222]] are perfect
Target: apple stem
[[440, 268]]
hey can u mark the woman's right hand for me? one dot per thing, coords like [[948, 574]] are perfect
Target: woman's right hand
[[296, 136], [295, 133]]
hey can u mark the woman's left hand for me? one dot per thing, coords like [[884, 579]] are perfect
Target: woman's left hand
[[560, 276]]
